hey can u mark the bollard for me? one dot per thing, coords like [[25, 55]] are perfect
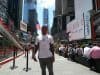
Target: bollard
[[27, 68], [14, 56]]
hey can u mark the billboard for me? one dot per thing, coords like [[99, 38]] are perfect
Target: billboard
[[80, 28], [76, 29]]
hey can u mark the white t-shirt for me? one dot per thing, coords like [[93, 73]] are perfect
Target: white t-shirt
[[44, 45], [62, 48], [87, 52]]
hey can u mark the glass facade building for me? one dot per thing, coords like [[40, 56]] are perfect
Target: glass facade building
[[29, 14]]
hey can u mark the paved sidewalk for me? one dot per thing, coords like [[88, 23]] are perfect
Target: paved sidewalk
[[61, 67]]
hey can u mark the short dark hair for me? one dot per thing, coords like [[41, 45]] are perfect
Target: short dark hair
[[45, 27]]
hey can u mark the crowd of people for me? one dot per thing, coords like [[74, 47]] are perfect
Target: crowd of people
[[90, 51]]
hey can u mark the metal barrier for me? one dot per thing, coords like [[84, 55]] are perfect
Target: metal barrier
[[15, 42], [14, 55], [27, 59], [16, 45]]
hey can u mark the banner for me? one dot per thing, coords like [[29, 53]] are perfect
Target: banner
[[87, 25], [76, 29]]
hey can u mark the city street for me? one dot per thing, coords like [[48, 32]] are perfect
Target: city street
[[70, 28], [61, 67]]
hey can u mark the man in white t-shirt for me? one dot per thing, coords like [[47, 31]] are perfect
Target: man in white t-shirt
[[87, 52], [44, 45]]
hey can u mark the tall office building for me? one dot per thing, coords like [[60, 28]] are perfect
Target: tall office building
[[3, 10], [45, 16], [58, 7], [64, 7], [96, 20], [30, 14], [10, 11], [96, 4], [64, 13], [14, 10], [10, 16], [32, 20]]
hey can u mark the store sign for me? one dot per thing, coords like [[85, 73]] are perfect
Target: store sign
[[87, 25], [23, 26]]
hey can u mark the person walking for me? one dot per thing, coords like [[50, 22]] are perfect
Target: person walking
[[44, 45]]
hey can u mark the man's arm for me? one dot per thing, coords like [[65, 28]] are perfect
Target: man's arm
[[34, 52], [36, 47], [52, 48]]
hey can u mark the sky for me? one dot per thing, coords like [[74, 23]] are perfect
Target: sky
[[47, 3]]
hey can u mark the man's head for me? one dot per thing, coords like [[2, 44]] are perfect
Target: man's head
[[44, 30]]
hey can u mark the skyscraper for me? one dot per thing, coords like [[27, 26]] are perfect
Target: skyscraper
[[14, 11], [30, 14], [45, 16], [3, 10], [32, 20], [48, 7], [64, 13], [10, 10]]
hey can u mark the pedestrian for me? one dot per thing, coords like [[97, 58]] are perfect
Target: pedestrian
[[71, 52], [44, 45], [79, 51], [87, 50], [61, 49], [94, 56]]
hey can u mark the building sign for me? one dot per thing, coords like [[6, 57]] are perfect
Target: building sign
[[23, 26], [87, 25]]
